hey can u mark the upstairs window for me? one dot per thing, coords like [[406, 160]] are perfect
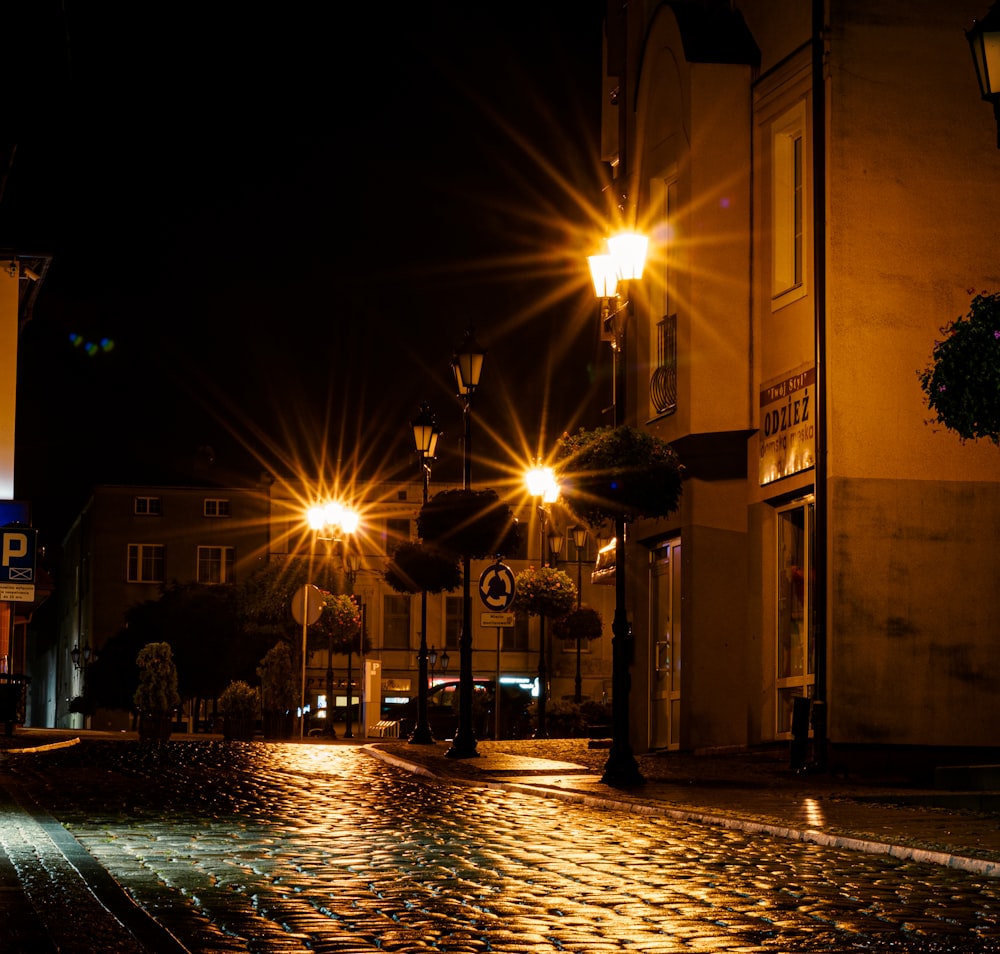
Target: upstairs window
[[396, 622], [147, 506], [216, 507], [215, 564], [788, 161], [145, 563]]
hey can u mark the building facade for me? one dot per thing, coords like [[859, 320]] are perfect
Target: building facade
[[131, 541], [126, 545], [817, 182], [388, 515]]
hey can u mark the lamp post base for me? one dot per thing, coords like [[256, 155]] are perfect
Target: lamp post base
[[463, 747], [621, 770], [421, 735]]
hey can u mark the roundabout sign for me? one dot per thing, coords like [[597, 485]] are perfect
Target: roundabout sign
[[496, 588]]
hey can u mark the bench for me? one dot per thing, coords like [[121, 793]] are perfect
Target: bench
[[387, 728]]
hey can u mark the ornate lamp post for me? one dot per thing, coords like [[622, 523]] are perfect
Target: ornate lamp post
[[542, 485], [425, 437], [611, 273], [334, 523], [984, 40], [467, 364], [579, 541]]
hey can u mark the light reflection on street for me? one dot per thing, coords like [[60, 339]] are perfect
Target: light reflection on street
[[274, 842]]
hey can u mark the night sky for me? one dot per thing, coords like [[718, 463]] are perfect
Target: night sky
[[285, 224]]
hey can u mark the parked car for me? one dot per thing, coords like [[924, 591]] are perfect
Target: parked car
[[516, 706]]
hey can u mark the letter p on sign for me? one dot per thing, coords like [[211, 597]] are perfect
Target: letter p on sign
[[15, 547]]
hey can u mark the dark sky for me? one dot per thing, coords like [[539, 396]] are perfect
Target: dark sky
[[285, 225]]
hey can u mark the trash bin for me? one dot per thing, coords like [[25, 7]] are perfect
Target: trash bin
[[13, 688]]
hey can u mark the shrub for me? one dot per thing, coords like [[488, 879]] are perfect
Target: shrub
[[962, 382], [157, 692], [240, 700]]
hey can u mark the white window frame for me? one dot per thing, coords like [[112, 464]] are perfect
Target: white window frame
[[216, 507], [146, 506], [225, 561], [789, 197], [144, 557]]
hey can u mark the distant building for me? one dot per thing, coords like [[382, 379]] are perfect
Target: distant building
[[130, 541], [819, 181], [127, 543]]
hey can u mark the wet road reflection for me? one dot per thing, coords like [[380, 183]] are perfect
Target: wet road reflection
[[288, 847]]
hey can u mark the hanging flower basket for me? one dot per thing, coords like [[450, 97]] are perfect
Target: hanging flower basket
[[962, 382], [470, 523], [581, 623], [340, 616], [610, 473], [415, 567], [545, 592]]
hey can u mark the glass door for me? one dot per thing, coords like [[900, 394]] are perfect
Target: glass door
[[665, 620], [796, 656]]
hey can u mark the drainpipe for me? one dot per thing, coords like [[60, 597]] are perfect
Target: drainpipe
[[821, 535]]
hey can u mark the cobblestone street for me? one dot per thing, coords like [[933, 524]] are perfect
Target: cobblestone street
[[284, 847]]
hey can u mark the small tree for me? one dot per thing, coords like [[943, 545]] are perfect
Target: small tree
[[278, 686], [239, 704], [962, 382], [157, 693]]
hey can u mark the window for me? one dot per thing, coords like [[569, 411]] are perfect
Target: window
[[796, 656], [145, 563], [663, 381], [397, 530], [147, 506], [396, 622], [215, 564], [216, 507], [663, 333], [452, 621], [515, 638], [788, 161]]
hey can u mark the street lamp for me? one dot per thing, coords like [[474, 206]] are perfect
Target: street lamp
[[611, 273], [444, 658], [467, 364], [76, 655], [425, 437], [334, 523], [579, 541], [543, 486], [984, 41]]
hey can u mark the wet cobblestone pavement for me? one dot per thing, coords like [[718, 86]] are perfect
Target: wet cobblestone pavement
[[288, 847]]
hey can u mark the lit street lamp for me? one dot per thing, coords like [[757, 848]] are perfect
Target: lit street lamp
[[579, 541], [467, 364], [425, 437], [334, 523], [542, 485], [611, 273], [984, 41]]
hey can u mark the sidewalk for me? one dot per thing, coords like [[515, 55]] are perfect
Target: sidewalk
[[748, 790], [754, 791]]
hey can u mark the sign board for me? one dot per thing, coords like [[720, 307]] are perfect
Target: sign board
[[307, 604], [787, 432], [505, 620], [496, 587], [17, 563]]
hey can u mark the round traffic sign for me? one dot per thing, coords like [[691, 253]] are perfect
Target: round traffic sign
[[496, 587], [307, 604]]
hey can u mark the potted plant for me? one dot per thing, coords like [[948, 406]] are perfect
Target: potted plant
[[239, 705], [544, 592], [279, 692], [157, 697]]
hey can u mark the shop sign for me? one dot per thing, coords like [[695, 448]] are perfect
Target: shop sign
[[787, 424]]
